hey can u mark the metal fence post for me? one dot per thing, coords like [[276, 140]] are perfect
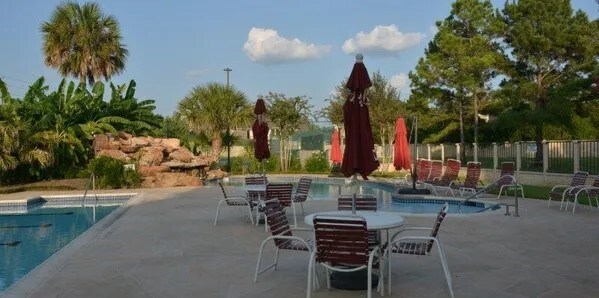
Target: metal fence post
[[428, 151], [495, 157], [443, 152], [518, 156], [457, 151], [475, 149], [545, 157], [576, 144]]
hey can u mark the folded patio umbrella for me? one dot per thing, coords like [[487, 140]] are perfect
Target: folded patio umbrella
[[359, 156], [401, 155], [260, 131], [336, 156]]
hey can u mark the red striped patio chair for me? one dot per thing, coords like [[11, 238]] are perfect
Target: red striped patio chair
[[450, 176], [507, 180], [281, 235], [423, 171], [342, 245], [237, 201], [419, 246], [559, 192], [282, 192], [472, 179], [435, 173]]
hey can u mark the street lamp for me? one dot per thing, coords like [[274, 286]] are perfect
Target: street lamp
[[228, 135]]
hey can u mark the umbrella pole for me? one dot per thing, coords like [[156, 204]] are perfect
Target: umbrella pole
[[414, 164]]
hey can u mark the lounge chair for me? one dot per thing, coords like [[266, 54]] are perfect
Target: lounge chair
[[419, 246], [238, 201], [435, 173], [507, 180], [281, 235], [302, 191], [472, 179], [590, 191], [342, 245], [450, 176], [559, 192], [423, 171]]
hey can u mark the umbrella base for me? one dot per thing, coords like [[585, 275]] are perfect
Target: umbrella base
[[412, 191]]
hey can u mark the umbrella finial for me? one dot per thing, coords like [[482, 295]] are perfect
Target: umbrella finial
[[359, 58]]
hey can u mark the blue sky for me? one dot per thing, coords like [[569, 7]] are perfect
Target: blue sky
[[291, 47]]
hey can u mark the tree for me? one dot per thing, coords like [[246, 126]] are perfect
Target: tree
[[385, 107], [287, 116], [461, 61], [214, 108], [79, 40], [549, 46]]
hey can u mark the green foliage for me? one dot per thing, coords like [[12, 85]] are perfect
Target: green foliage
[[79, 40], [111, 173], [317, 163]]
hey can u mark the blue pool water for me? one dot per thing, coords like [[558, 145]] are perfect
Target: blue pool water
[[327, 189], [29, 237]]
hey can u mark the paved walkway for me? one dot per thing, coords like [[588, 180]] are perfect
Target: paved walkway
[[164, 245]]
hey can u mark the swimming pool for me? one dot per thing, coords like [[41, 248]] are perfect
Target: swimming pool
[[33, 230], [324, 188]]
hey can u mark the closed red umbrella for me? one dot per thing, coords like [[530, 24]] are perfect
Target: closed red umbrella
[[260, 131], [336, 156], [359, 156], [401, 156]]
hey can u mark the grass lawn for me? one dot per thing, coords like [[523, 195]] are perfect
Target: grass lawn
[[542, 193]]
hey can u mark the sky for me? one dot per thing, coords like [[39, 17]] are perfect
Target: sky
[[298, 48]]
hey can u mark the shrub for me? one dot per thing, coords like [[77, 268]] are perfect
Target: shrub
[[317, 163], [111, 173]]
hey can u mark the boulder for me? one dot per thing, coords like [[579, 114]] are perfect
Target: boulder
[[182, 154], [114, 154], [103, 142], [151, 156], [125, 136], [171, 180], [216, 174], [171, 142], [147, 171], [129, 148], [140, 141]]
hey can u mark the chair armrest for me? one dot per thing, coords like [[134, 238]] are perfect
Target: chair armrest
[[302, 229], [410, 229], [559, 186], [413, 238], [587, 189]]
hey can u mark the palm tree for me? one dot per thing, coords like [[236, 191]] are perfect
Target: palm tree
[[83, 42], [214, 108]]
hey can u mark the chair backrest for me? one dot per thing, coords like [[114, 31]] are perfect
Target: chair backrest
[[253, 180], [277, 221], [341, 240], [595, 191], [579, 178], [364, 202], [424, 169], [472, 174], [507, 175], [452, 169], [437, 225], [281, 192], [303, 187], [436, 169]]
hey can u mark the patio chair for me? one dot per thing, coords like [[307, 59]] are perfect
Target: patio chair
[[255, 180], [282, 192], [419, 246], [281, 235], [364, 202], [559, 192], [342, 246], [237, 201], [507, 179], [472, 179], [423, 171], [591, 191], [450, 175], [301, 193], [435, 173]]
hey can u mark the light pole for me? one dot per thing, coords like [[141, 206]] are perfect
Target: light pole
[[228, 135]]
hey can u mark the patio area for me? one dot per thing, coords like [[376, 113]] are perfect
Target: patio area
[[165, 245]]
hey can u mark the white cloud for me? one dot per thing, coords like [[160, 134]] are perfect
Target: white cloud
[[382, 39], [401, 82], [433, 29], [265, 45]]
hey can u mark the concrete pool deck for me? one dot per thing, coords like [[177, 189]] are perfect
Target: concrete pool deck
[[164, 245]]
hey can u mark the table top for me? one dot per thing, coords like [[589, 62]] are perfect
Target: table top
[[255, 187], [378, 220]]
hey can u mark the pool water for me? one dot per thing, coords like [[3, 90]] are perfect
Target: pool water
[[328, 189], [28, 239]]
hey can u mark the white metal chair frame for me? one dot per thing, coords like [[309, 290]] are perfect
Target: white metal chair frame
[[374, 252], [433, 240], [568, 189], [589, 190], [235, 201]]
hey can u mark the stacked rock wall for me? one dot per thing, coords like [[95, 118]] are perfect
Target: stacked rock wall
[[162, 162]]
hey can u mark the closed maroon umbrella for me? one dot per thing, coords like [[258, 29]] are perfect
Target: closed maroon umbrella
[[359, 156], [260, 131], [401, 156]]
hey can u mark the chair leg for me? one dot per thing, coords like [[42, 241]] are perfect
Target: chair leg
[[276, 258], [389, 272], [310, 277], [217, 211], [302, 206], [258, 263], [250, 213], [369, 279], [445, 268]]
